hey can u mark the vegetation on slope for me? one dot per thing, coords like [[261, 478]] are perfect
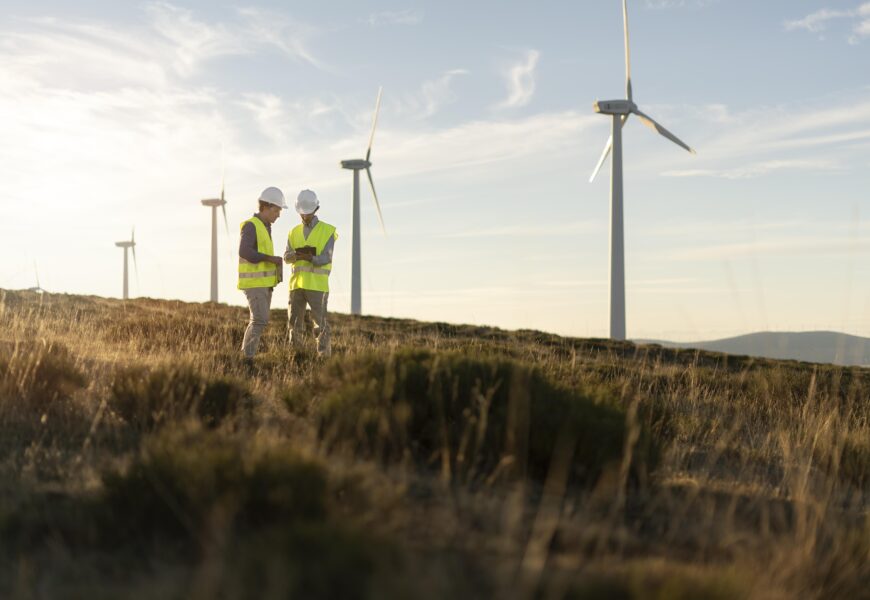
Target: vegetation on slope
[[138, 458]]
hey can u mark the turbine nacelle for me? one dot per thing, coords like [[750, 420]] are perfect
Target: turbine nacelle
[[213, 202], [356, 164], [125, 244], [615, 107]]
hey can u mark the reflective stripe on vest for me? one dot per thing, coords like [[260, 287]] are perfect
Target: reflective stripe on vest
[[315, 270], [305, 275], [261, 274]]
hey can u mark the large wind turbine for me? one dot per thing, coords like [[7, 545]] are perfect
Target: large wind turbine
[[214, 203], [356, 165], [131, 244], [620, 111]]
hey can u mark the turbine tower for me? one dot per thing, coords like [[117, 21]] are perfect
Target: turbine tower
[[214, 203], [620, 110], [356, 165], [131, 245]]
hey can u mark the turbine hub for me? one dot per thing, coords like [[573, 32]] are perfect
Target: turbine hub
[[614, 107], [355, 164]]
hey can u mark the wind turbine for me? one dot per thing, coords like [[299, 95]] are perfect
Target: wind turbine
[[131, 244], [620, 110], [356, 165], [214, 203], [38, 289]]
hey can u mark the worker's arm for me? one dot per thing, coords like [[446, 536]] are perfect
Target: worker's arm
[[248, 247], [325, 257]]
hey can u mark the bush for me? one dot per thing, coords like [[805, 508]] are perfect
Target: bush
[[476, 418], [855, 461], [149, 398], [659, 581], [308, 560], [193, 493], [184, 476], [37, 381]]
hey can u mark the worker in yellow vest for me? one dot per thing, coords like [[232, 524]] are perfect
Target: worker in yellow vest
[[259, 270], [309, 250]]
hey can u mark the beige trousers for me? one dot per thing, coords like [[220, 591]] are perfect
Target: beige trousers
[[317, 301], [259, 303]]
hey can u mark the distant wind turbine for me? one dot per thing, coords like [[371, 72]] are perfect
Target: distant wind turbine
[[356, 165], [38, 289], [620, 111], [214, 203], [131, 244]]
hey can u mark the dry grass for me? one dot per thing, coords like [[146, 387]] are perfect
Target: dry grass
[[139, 459]]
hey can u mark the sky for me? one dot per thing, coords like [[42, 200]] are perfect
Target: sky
[[117, 115]]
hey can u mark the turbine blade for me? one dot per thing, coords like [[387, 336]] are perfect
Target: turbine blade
[[377, 204], [374, 123], [601, 160], [605, 153], [223, 170], [627, 52], [651, 123], [133, 235], [135, 266], [224, 209], [36, 270]]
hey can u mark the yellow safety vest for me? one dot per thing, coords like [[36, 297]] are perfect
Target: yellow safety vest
[[261, 274], [305, 275]]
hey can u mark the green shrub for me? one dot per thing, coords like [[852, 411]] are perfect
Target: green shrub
[[184, 476], [37, 381], [658, 582], [473, 417], [191, 493], [308, 560], [855, 461], [149, 398]]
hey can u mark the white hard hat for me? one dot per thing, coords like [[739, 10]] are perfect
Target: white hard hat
[[306, 202], [273, 195]]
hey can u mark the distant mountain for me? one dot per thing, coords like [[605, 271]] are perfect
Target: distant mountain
[[809, 346]]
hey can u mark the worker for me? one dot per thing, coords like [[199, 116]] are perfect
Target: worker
[[259, 269], [309, 250]]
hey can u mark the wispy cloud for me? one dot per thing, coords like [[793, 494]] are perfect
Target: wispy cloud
[[757, 169], [172, 42], [820, 136], [470, 145], [668, 4], [437, 93], [290, 36], [527, 229], [521, 81], [408, 16], [818, 21], [432, 96], [793, 245], [192, 41]]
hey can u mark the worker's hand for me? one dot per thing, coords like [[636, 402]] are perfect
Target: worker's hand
[[275, 260], [301, 256]]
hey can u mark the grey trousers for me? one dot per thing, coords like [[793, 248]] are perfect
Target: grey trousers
[[259, 303], [317, 301]]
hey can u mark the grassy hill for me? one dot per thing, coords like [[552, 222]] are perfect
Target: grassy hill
[[140, 459]]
